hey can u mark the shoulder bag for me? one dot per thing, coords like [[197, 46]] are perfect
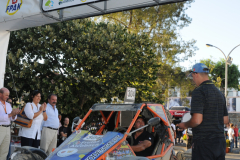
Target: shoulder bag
[[23, 120]]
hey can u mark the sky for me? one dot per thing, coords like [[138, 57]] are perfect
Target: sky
[[215, 22]]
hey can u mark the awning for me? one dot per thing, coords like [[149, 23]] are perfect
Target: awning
[[19, 14]]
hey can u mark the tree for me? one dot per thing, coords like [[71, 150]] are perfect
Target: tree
[[211, 65], [162, 25], [217, 73], [81, 62]]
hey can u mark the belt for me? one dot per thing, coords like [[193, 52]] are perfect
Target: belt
[[5, 125], [52, 128]]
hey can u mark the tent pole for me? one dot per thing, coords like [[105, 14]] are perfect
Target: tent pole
[[4, 41]]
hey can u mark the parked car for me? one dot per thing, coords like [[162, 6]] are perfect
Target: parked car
[[179, 111]]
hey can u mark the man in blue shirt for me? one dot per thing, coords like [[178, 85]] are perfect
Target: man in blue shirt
[[50, 127]]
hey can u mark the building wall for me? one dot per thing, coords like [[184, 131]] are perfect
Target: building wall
[[234, 118]]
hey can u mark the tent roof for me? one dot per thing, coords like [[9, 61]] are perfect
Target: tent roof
[[19, 14], [103, 7]]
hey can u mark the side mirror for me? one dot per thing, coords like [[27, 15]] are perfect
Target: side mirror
[[154, 121], [151, 122], [76, 119]]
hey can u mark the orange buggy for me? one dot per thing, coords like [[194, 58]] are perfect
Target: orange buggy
[[102, 134], [96, 140]]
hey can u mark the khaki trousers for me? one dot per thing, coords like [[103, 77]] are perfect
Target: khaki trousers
[[4, 142], [48, 140]]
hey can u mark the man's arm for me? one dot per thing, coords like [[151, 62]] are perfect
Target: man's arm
[[193, 122], [197, 107], [225, 120], [141, 146], [63, 134]]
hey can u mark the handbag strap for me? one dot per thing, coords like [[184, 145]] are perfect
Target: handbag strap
[[24, 108]]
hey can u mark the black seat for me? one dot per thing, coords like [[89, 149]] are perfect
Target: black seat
[[156, 144]]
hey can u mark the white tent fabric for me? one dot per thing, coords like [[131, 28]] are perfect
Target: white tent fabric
[[19, 14], [4, 39]]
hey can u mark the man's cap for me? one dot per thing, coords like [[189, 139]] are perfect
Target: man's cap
[[143, 117], [199, 68]]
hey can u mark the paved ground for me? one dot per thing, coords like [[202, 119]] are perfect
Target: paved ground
[[229, 156]]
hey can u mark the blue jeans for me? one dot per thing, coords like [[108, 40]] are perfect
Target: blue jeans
[[236, 142], [231, 145]]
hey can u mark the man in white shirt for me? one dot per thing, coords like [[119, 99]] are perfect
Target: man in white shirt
[[174, 131], [50, 127], [7, 114], [231, 137]]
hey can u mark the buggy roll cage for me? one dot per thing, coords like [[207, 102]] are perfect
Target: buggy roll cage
[[128, 107]]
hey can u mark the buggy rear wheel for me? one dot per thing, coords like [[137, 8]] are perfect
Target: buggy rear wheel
[[24, 156]]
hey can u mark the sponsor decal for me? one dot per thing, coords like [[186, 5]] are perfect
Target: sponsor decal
[[13, 6], [64, 1], [49, 3], [176, 113], [92, 137], [101, 150], [66, 152]]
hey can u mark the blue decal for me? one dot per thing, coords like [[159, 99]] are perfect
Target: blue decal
[[85, 146]]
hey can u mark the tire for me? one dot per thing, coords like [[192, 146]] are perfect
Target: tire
[[23, 156], [184, 156]]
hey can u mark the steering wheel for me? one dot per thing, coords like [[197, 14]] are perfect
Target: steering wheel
[[120, 129]]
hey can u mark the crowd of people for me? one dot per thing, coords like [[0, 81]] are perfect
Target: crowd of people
[[232, 133], [178, 133], [46, 131]]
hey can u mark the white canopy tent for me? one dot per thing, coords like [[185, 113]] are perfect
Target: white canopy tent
[[19, 14]]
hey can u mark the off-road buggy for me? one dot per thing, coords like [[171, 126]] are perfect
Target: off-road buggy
[[105, 137]]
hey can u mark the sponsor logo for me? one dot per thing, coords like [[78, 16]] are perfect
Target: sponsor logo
[[83, 0], [49, 3], [13, 6], [176, 113], [64, 1], [67, 152], [91, 137]]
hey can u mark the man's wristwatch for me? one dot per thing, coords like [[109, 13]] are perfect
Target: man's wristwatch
[[44, 111]]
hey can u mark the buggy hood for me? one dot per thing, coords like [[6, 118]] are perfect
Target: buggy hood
[[85, 146]]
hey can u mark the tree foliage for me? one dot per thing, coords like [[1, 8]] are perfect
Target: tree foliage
[[162, 24], [81, 62], [217, 73]]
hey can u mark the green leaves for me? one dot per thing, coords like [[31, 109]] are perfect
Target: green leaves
[[81, 61], [217, 73], [161, 24]]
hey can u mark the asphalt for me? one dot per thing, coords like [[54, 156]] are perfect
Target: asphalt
[[229, 156]]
